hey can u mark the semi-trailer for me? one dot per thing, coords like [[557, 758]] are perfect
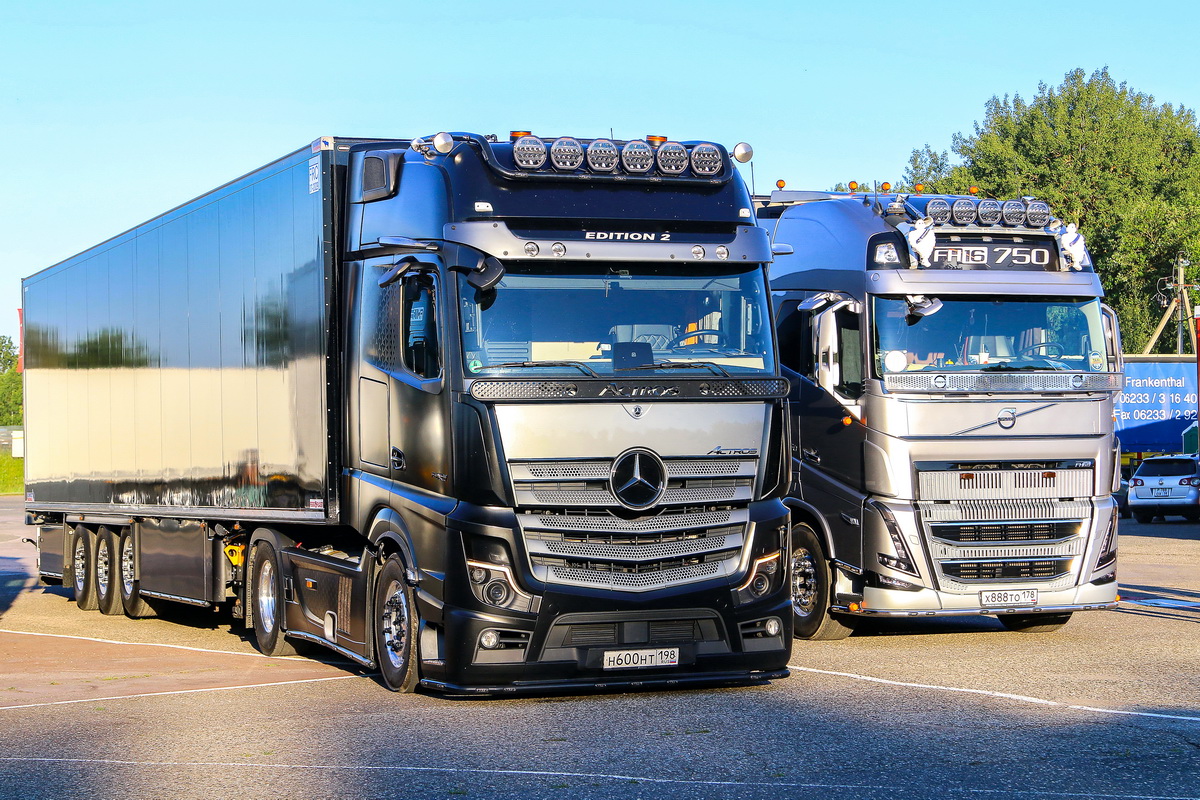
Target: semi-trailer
[[485, 415]]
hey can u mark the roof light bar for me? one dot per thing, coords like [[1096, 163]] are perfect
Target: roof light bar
[[1037, 214], [989, 212], [1014, 212], [566, 154], [938, 210], [637, 157], [963, 211], [603, 155], [529, 152]]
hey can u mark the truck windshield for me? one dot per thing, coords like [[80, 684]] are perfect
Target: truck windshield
[[648, 318], [990, 334]]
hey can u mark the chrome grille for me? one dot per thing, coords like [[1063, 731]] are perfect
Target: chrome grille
[[927, 381], [1033, 569], [1003, 484], [577, 533]]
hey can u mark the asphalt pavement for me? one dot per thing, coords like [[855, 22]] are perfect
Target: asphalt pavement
[[183, 707]]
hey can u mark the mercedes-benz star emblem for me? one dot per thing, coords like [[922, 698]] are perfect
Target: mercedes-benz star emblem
[[638, 479]]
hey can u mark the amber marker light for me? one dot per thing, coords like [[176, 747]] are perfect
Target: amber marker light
[[847, 420], [779, 184], [853, 186], [855, 607], [885, 187], [974, 190], [920, 187], [514, 135], [656, 141]]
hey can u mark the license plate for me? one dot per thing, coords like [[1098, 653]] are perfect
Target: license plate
[[1009, 597], [638, 659], [1160, 492]]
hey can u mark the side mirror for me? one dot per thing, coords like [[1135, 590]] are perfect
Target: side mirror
[[781, 249], [402, 268], [485, 275]]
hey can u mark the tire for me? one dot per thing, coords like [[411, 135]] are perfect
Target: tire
[[108, 573], [811, 582], [1142, 517], [83, 568], [266, 592], [1034, 623], [395, 627], [134, 605]]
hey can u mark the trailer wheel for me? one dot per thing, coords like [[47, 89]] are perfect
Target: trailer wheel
[[266, 589], [108, 573], [1034, 623], [132, 602], [83, 568], [811, 585], [395, 627]]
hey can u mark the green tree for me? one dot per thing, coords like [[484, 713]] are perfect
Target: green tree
[[10, 384], [1112, 160]]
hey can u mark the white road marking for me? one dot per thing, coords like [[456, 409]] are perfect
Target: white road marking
[[1002, 695], [576, 775], [1161, 602], [181, 691], [155, 644]]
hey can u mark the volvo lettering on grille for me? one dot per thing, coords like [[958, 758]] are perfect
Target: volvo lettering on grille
[[638, 479]]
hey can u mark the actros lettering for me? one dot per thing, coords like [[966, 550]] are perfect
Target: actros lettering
[[617, 390], [733, 451]]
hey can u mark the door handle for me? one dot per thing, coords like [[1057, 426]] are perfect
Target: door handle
[[809, 454], [398, 462]]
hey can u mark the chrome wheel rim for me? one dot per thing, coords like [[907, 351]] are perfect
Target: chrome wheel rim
[[127, 566], [103, 566], [264, 597], [79, 560], [804, 582], [394, 625]]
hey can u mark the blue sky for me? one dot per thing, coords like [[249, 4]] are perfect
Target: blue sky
[[115, 112]]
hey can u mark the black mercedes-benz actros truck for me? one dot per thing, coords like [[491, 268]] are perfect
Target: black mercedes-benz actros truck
[[488, 416]]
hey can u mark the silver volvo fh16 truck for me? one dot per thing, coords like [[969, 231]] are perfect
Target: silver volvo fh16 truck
[[954, 371], [487, 415]]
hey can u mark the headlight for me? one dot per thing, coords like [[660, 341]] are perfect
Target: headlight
[[566, 154], [938, 210], [963, 211], [706, 159], [637, 157], [672, 158], [602, 156], [529, 152], [989, 212], [1013, 212]]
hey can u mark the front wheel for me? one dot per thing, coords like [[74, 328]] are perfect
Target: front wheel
[[396, 627], [811, 589], [1034, 623], [266, 591]]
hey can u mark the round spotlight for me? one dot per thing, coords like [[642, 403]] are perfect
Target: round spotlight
[[602, 156], [742, 152], [697, 251], [773, 627], [496, 593], [489, 640], [529, 152], [760, 585], [706, 159], [443, 143], [989, 212], [963, 211], [1013, 212], [559, 249], [566, 154], [531, 249], [1037, 214], [637, 157], [938, 210], [672, 158], [478, 575], [722, 252]]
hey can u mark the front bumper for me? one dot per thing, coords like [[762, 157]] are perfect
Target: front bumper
[[930, 603]]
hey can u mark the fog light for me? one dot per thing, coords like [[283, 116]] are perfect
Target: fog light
[[489, 640], [697, 251], [496, 593], [722, 252], [478, 575], [559, 249], [773, 627], [760, 585], [531, 249]]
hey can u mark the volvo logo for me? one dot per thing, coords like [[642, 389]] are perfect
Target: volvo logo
[[1007, 418], [638, 479]]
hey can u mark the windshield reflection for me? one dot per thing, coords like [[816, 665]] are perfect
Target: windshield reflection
[[986, 334], [639, 319]]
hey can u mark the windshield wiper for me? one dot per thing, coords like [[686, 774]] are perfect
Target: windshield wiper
[[717, 368], [584, 368]]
